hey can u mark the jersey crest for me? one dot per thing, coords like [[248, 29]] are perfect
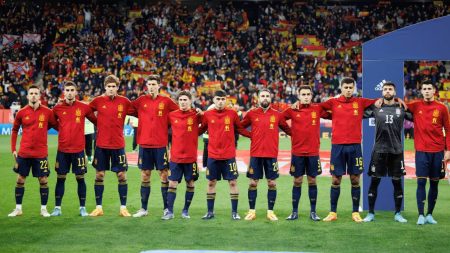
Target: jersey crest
[[436, 113], [272, 119]]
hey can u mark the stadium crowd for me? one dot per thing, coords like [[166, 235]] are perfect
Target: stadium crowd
[[193, 49]]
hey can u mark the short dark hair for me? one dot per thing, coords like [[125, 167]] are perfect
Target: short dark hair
[[154, 77], [263, 90], [304, 87], [347, 80], [220, 93], [389, 83], [69, 83], [34, 87], [427, 82], [184, 93]]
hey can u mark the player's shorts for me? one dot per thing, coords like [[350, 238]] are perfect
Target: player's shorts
[[260, 166], [151, 158], [110, 159], [429, 164], [38, 166], [218, 169], [64, 161], [309, 165], [346, 159], [382, 164], [177, 170]]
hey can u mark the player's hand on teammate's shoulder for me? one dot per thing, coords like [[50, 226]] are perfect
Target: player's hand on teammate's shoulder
[[295, 105], [199, 111], [402, 103], [379, 103]]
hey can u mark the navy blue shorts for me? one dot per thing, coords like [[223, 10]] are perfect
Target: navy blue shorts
[[64, 161], [309, 165], [346, 159], [218, 169], [260, 166], [429, 164], [38, 166], [110, 159], [151, 158], [177, 170]]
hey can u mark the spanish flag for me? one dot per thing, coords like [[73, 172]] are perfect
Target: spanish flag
[[426, 67], [446, 84], [209, 87], [282, 31], [180, 40], [305, 40], [318, 51], [140, 74], [196, 59], [135, 14], [285, 24]]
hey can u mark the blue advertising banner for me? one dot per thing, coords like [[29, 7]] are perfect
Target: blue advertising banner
[[6, 129]]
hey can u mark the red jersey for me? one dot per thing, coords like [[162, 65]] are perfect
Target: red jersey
[[71, 125], [110, 120], [153, 118], [347, 118], [429, 119], [265, 131], [305, 126], [221, 125], [35, 124], [185, 133]]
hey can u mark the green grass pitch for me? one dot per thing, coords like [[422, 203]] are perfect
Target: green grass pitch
[[110, 233]]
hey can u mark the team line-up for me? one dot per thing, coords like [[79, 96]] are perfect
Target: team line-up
[[157, 113]]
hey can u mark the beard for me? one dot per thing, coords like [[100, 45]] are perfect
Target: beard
[[264, 104], [388, 98]]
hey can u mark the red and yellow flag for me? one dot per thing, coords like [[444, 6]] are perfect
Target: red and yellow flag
[[305, 40], [243, 27], [140, 74], [318, 51], [196, 59], [283, 31], [180, 40]]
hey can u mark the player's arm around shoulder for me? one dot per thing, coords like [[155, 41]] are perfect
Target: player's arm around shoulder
[[369, 112], [247, 120], [239, 126]]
